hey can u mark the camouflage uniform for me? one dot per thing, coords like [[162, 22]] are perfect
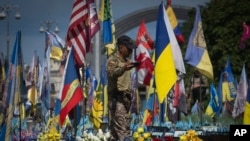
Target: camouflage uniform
[[119, 92]]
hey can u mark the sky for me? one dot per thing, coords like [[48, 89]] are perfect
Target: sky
[[34, 13]]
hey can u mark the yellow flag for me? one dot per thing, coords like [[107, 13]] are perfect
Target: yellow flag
[[246, 118]]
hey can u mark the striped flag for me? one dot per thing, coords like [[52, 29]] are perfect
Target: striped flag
[[77, 35], [175, 25], [71, 93], [84, 24], [93, 24], [165, 73], [196, 53]]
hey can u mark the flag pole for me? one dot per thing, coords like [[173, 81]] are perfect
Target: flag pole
[[200, 104], [20, 122], [84, 100]]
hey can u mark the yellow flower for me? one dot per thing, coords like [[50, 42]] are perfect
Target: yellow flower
[[136, 135], [146, 135], [140, 139], [140, 130], [191, 135], [183, 138]]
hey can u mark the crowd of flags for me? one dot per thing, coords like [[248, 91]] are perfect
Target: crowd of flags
[[161, 70]]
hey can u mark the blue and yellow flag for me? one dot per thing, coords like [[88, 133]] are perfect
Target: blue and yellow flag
[[165, 73], [106, 16], [213, 106], [196, 53], [96, 113], [229, 84], [108, 27], [16, 92]]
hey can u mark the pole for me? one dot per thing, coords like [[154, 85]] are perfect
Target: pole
[[97, 47], [200, 104], [8, 36], [83, 80]]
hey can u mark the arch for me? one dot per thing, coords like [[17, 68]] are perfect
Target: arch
[[132, 20]]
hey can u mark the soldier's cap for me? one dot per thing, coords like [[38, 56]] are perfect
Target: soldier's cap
[[126, 41]]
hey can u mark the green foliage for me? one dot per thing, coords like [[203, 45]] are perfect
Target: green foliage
[[196, 118], [222, 24], [226, 121]]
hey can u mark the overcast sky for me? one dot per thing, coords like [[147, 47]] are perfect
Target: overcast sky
[[36, 12]]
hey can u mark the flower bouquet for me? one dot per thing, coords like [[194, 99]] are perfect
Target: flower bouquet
[[191, 135], [140, 135]]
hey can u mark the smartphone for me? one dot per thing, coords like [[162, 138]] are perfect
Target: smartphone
[[136, 63]]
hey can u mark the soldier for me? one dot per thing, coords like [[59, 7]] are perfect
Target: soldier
[[119, 91]]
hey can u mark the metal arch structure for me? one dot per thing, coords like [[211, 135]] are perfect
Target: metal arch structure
[[132, 20]]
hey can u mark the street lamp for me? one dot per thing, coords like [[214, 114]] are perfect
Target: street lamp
[[4, 14], [46, 25]]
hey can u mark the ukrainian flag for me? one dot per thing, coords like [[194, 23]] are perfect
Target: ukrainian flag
[[213, 106], [108, 34], [165, 73], [196, 53]]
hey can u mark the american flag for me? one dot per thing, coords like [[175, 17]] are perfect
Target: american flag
[[79, 30]]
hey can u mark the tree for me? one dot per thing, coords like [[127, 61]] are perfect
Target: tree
[[222, 24]]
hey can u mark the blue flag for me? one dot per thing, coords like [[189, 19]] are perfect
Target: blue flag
[[213, 106], [196, 53]]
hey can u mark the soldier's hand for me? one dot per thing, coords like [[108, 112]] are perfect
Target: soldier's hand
[[128, 65]]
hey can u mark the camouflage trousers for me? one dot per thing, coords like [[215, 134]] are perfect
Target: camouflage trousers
[[119, 122]]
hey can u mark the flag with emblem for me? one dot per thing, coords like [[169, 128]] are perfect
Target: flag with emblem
[[71, 93], [196, 53]]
